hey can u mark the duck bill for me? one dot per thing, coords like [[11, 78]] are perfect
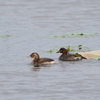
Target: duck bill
[[29, 57]]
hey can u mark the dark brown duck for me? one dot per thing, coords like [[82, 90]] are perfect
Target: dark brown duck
[[66, 56], [39, 61]]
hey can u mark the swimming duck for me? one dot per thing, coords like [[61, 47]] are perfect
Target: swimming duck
[[41, 61], [66, 56]]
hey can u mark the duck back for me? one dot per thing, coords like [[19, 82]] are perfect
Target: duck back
[[69, 57], [44, 61]]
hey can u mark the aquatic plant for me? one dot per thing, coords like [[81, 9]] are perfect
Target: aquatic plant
[[50, 51], [6, 35], [96, 58], [70, 48], [90, 55], [80, 47], [73, 35]]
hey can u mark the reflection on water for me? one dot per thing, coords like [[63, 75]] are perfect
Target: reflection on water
[[21, 22], [36, 68]]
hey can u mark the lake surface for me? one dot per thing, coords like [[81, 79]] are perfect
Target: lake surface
[[25, 27]]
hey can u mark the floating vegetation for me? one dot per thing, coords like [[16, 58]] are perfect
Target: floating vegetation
[[90, 54], [70, 48], [96, 58], [74, 35], [80, 47], [51, 51], [6, 35], [80, 56], [87, 54]]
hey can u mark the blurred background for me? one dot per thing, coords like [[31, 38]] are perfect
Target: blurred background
[[28, 26]]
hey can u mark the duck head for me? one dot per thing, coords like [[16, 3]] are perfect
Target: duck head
[[34, 55], [63, 51]]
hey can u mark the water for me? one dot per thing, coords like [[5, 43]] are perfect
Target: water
[[29, 22]]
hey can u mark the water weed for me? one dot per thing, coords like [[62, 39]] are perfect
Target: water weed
[[73, 35]]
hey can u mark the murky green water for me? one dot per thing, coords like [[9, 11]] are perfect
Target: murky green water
[[25, 27]]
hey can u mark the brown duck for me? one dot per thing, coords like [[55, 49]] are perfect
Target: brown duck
[[66, 56], [41, 61]]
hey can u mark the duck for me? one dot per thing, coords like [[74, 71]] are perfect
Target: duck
[[66, 56], [40, 61]]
